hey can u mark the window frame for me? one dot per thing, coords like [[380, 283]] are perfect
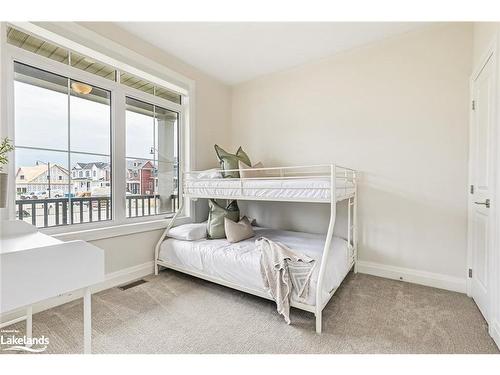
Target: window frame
[[119, 223], [180, 155]]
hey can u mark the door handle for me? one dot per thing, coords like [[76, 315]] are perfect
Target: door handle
[[485, 203]]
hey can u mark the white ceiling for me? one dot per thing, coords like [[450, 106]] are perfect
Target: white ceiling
[[237, 52]]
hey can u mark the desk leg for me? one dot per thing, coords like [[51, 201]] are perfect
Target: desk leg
[[29, 322], [87, 321]]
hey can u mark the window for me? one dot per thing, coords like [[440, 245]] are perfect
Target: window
[[63, 116], [43, 48], [152, 159], [46, 49], [33, 44], [92, 66], [58, 127], [148, 87]]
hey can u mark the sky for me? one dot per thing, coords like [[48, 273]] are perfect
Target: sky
[[41, 118]]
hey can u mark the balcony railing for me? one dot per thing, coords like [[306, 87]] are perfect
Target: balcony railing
[[136, 205], [62, 211], [52, 212]]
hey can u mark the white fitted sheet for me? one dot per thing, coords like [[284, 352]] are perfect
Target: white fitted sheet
[[310, 189], [239, 263]]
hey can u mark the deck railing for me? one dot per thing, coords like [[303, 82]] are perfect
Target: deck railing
[[133, 208], [49, 212]]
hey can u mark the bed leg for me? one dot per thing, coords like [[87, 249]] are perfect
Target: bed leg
[[157, 267], [318, 322]]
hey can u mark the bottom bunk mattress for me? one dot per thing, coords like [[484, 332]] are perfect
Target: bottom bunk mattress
[[239, 263]]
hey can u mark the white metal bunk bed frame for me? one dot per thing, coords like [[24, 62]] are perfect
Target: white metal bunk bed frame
[[336, 172]]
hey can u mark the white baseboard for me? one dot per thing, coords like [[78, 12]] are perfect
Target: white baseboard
[[436, 280], [110, 281]]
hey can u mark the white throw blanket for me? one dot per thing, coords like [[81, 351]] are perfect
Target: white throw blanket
[[283, 269]]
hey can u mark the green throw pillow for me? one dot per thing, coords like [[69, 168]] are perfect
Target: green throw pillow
[[230, 161], [216, 215]]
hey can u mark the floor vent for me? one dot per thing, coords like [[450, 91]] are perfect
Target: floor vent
[[132, 284]]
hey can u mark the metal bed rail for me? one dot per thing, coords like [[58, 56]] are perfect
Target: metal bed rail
[[242, 188]]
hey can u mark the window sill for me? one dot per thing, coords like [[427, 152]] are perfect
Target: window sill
[[116, 230]]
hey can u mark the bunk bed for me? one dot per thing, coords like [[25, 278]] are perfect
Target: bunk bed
[[328, 184]]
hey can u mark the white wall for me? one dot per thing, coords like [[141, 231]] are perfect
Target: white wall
[[397, 111], [128, 251]]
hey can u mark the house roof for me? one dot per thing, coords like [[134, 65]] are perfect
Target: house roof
[[140, 164], [32, 172], [98, 164]]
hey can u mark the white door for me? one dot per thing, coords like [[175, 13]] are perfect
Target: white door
[[480, 209]]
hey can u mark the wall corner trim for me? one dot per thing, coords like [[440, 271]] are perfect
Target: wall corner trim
[[436, 280]]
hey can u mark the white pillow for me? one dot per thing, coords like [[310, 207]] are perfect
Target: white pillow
[[210, 173], [189, 232]]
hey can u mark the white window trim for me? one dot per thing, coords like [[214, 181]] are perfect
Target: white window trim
[[119, 225]]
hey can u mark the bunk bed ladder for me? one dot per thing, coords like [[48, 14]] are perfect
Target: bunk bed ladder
[[326, 250]]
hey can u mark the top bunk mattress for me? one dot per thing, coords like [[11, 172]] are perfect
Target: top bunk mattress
[[239, 263], [298, 189]]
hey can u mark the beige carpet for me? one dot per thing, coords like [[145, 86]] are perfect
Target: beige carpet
[[175, 313]]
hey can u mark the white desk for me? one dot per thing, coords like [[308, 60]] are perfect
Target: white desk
[[35, 267]]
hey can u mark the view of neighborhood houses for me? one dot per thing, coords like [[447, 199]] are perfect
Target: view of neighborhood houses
[[52, 180], [141, 177], [65, 180], [94, 179]]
